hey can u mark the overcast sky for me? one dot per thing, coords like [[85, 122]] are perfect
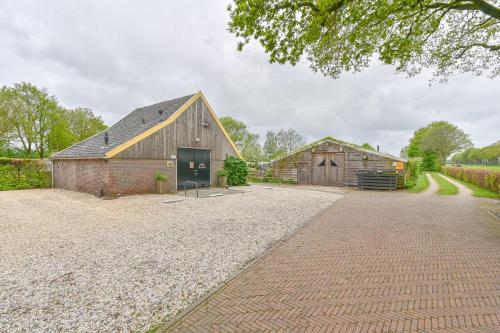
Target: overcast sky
[[115, 56]]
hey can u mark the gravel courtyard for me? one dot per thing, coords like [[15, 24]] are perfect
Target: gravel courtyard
[[72, 262]]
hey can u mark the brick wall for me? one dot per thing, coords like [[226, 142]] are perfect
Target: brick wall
[[114, 176], [117, 176], [132, 176], [81, 175]]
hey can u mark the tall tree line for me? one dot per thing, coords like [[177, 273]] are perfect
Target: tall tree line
[[34, 124], [277, 143], [489, 153]]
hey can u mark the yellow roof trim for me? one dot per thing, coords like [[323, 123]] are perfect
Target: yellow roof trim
[[209, 107], [118, 149], [115, 151]]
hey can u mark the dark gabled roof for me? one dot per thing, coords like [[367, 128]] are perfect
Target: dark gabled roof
[[345, 144], [135, 123]]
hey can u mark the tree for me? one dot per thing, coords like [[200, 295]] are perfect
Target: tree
[[236, 129], [27, 110], [270, 145], [367, 146], [337, 35], [246, 142], [444, 139], [5, 126], [289, 140], [414, 149], [251, 150], [478, 155], [435, 142], [33, 121]]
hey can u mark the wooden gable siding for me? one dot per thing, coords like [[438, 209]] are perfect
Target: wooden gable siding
[[287, 168], [183, 132]]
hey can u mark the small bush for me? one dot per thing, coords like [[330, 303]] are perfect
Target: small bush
[[237, 171], [268, 175], [23, 174], [413, 170], [485, 178], [222, 173], [160, 176]]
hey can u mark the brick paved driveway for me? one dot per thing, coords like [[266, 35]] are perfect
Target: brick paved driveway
[[374, 262]]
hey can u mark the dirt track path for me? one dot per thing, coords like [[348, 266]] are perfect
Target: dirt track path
[[433, 186], [462, 190]]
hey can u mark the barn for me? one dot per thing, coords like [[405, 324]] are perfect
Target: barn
[[182, 138], [334, 163]]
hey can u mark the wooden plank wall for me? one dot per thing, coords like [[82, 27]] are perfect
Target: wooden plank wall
[[183, 132], [287, 167]]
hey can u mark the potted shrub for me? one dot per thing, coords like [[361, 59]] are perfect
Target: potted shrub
[[161, 183], [222, 176]]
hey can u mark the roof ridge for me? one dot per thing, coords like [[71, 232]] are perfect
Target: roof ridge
[[135, 122], [344, 143], [167, 100]]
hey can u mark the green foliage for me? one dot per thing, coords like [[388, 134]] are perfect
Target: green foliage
[[222, 173], [236, 129], [484, 178], [476, 155], [443, 139], [269, 178], [414, 147], [35, 121], [160, 176], [268, 175], [445, 187], [251, 149], [246, 142], [23, 174], [367, 146], [237, 171], [435, 142], [339, 36], [281, 143], [478, 191], [413, 171], [421, 184], [430, 161]]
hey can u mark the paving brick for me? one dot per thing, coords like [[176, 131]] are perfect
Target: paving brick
[[373, 262]]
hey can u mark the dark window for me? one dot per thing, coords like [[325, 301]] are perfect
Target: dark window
[[332, 163], [322, 163]]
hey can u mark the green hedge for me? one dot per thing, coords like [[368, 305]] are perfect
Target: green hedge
[[487, 179], [23, 174], [237, 171], [413, 170]]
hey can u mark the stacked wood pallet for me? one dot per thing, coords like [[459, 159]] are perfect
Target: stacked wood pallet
[[379, 180]]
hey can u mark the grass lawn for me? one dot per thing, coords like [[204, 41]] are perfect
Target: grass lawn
[[421, 185], [489, 167], [478, 191], [445, 187]]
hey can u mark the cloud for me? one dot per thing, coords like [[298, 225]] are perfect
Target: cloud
[[114, 58]]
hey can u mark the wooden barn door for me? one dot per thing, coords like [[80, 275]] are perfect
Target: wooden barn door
[[328, 169], [335, 170], [319, 168], [303, 170]]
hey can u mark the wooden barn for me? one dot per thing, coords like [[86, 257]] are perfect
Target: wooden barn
[[181, 138], [334, 163]]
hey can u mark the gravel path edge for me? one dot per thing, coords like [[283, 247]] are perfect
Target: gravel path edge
[[165, 327]]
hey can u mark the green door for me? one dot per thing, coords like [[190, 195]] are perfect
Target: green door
[[193, 165]]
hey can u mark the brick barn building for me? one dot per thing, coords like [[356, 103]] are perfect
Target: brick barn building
[[181, 138]]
